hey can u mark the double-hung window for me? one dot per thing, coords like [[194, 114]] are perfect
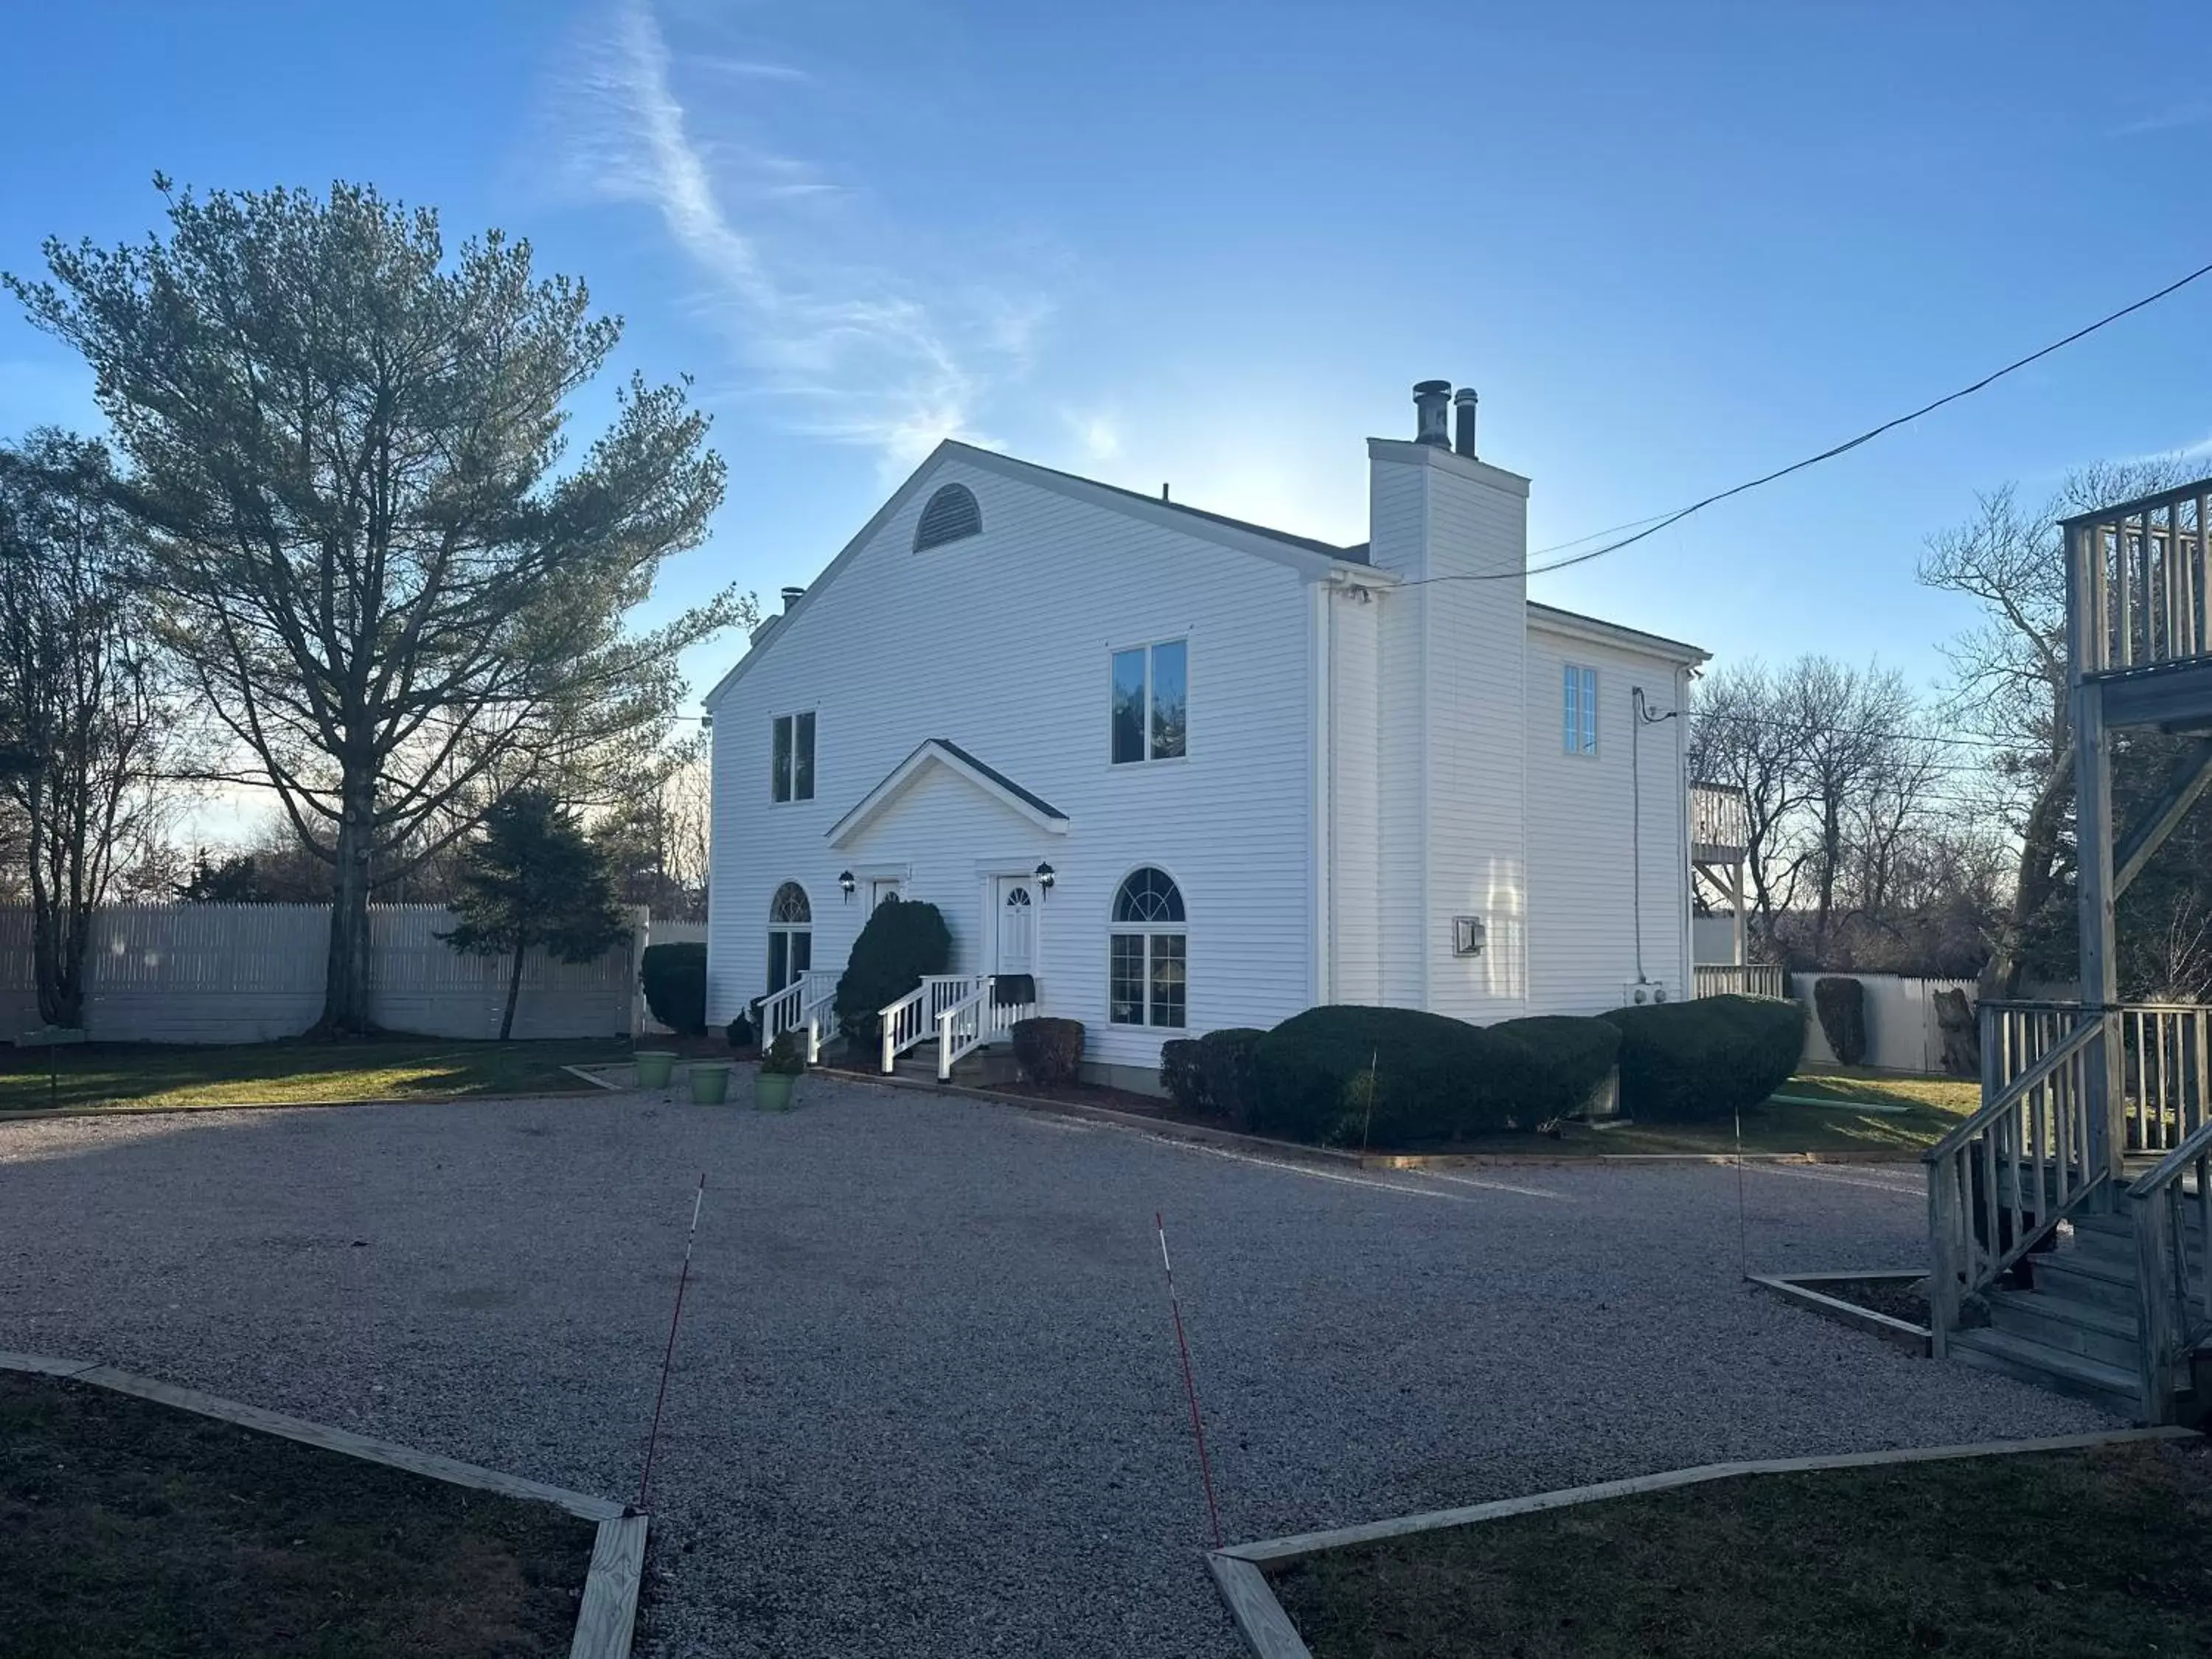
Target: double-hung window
[[790, 757], [1579, 711], [1151, 701]]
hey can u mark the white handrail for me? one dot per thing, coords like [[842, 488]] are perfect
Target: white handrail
[[961, 1030], [781, 1012], [902, 1025], [817, 1011]]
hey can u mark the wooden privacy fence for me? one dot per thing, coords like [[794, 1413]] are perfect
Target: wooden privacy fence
[[250, 973]]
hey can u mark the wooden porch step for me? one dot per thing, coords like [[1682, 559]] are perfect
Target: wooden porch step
[[2015, 1356], [2094, 1330]]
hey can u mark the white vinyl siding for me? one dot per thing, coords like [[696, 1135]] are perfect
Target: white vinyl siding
[[1002, 649], [1583, 849]]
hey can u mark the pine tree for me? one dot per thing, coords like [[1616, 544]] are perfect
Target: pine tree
[[533, 878]]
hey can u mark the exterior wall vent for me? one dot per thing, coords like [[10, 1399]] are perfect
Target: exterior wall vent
[[950, 515]]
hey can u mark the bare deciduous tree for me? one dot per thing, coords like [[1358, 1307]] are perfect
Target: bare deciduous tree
[[82, 699]]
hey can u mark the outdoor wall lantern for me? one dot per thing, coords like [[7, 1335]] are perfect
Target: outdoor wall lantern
[[1045, 877], [846, 884], [1467, 936]]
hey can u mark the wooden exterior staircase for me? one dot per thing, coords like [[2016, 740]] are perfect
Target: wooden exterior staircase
[[2068, 1216]]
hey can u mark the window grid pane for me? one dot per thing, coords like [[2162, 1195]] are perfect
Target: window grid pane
[[1571, 720], [1171, 701], [780, 761], [1589, 711], [802, 762], [1125, 979], [1167, 980], [1129, 707]]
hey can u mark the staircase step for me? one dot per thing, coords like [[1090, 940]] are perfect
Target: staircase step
[[2107, 1385], [2101, 1333], [2106, 1267]]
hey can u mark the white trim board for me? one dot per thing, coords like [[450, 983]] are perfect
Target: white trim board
[[934, 752]]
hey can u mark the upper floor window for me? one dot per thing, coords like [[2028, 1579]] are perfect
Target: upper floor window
[[1579, 711], [1151, 701], [950, 514], [791, 758]]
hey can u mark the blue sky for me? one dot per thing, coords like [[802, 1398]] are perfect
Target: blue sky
[[1213, 244]]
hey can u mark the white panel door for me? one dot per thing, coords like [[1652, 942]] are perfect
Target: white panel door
[[1016, 926]]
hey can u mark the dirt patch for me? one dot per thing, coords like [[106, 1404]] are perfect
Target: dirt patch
[[134, 1529], [2097, 1552]]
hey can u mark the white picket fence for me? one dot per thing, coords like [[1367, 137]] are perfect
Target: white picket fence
[[250, 973]]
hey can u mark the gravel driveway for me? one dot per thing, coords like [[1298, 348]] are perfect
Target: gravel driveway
[[926, 1398]]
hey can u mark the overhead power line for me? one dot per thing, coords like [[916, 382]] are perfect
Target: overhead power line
[[1652, 528]]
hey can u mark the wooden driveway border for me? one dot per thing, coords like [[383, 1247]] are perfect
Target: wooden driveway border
[[607, 1613]]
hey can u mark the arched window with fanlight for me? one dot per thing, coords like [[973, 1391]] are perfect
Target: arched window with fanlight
[[1147, 953], [790, 936], [949, 515]]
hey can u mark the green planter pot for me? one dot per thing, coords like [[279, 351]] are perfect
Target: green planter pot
[[655, 1066], [772, 1091], [710, 1085]]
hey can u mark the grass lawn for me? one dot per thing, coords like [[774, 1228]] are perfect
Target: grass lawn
[[130, 1529], [150, 1077], [2105, 1551]]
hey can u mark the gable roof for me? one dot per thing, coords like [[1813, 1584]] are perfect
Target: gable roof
[[1306, 554], [942, 751], [1302, 553]]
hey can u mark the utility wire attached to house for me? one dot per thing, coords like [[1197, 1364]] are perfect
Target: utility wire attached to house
[[1653, 526]]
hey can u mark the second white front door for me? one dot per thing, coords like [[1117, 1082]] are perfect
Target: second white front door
[[1016, 926]]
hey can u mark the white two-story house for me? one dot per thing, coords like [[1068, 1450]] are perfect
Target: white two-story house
[[1185, 772]]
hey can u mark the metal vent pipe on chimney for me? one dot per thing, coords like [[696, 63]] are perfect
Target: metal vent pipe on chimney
[[1463, 401], [792, 596], [1431, 400]]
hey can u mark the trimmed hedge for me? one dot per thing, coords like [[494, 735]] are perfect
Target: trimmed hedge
[[1399, 1077], [903, 940], [1841, 1004], [1229, 1063], [1688, 1061], [1182, 1074], [675, 981], [1049, 1051]]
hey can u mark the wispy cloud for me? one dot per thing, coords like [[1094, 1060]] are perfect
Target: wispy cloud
[[2172, 118], [851, 352], [1098, 434]]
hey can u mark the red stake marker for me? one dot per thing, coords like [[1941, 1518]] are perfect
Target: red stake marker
[[660, 1399], [1189, 1388]]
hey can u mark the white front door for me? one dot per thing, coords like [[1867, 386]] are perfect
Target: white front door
[[1016, 926]]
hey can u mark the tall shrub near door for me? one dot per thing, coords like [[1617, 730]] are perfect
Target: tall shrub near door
[[903, 941]]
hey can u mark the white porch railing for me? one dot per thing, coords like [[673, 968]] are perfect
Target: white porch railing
[[1742, 980], [977, 1018], [780, 1013], [817, 1014], [912, 1019]]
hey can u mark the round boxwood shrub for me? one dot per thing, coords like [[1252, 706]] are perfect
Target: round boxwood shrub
[[675, 981], [1841, 1004], [1688, 1061], [1400, 1077], [1228, 1064], [1049, 1051], [1181, 1075], [903, 940]]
